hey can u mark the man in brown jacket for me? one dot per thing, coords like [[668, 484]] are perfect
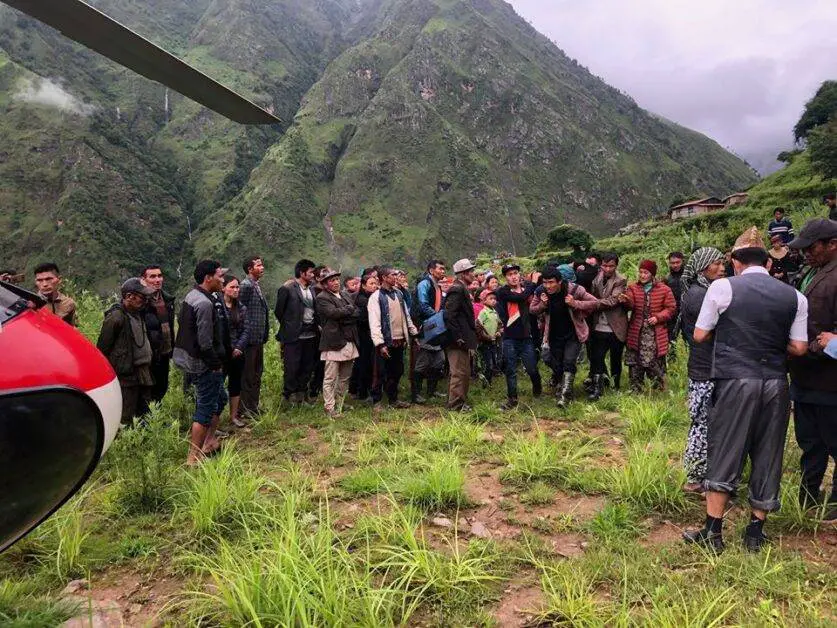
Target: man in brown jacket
[[814, 376], [338, 316], [124, 342], [459, 320], [610, 326]]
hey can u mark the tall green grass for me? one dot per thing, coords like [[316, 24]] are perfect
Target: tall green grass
[[300, 572], [649, 481], [221, 495], [142, 463], [558, 460]]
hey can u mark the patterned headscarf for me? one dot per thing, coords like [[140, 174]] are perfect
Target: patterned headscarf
[[567, 273], [698, 262]]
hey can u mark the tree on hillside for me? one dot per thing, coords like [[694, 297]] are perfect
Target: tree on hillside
[[565, 237], [822, 144], [818, 111]]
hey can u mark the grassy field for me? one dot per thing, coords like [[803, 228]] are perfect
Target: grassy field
[[419, 517]]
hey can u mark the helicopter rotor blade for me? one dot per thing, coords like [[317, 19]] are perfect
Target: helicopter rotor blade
[[90, 27]]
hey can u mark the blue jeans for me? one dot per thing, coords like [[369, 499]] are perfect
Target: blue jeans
[[520, 350], [210, 396]]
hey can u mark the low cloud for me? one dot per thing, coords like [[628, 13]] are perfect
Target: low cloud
[[43, 91], [739, 72]]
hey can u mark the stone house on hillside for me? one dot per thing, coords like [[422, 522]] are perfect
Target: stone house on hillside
[[739, 198], [693, 208]]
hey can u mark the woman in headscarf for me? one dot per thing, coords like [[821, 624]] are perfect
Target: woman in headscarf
[[652, 305], [704, 266]]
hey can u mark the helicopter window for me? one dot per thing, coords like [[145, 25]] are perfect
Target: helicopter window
[[11, 304], [50, 441]]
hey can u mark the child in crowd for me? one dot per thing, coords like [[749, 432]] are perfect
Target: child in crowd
[[489, 330]]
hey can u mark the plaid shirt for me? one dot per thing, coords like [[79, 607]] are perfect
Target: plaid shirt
[[256, 319]]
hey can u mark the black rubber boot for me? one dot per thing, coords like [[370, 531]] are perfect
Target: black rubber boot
[[415, 390], [566, 394], [537, 387], [509, 404], [598, 388]]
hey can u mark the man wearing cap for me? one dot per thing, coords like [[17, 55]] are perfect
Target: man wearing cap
[[460, 323], [814, 376], [756, 321], [513, 309], [338, 340], [124, 342], [391, 329], [430, 360], [200, 352]]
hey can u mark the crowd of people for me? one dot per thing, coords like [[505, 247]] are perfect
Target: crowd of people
[[747, 327]]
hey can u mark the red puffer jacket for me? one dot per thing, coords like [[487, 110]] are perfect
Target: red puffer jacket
[[661, 304]]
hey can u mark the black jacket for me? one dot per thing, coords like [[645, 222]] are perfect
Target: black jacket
[[673, 282], [459, 317], [519, 329], [154, 325], [289, 310], [338, 317]]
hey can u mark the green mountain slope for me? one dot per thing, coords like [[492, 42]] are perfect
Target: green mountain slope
[[456, 128], [415, 127]]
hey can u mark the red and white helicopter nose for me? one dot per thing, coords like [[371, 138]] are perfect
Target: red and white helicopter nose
[[60, 409]]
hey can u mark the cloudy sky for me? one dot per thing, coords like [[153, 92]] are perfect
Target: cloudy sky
[[738, 70]]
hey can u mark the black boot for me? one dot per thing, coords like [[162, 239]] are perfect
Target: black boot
[[598, 388], [509, 404], [587, 384], [566, 394], [432, 383], [537, 388], [415, 390], [706, 539]]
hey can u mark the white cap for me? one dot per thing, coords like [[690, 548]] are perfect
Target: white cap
[[463, 265]]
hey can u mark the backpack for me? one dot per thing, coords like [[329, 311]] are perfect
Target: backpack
[[434, 331]]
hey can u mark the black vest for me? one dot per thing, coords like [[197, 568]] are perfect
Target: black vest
[[751, 338]]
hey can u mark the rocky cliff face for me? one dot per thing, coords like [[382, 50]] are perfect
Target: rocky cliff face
[[415, 128]]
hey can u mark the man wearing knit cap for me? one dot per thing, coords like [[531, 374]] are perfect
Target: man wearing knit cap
[[755, 321]]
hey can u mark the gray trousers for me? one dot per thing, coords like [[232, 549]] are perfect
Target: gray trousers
[[749, 417]]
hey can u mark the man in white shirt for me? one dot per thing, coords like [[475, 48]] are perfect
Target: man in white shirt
[[757, 321]]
